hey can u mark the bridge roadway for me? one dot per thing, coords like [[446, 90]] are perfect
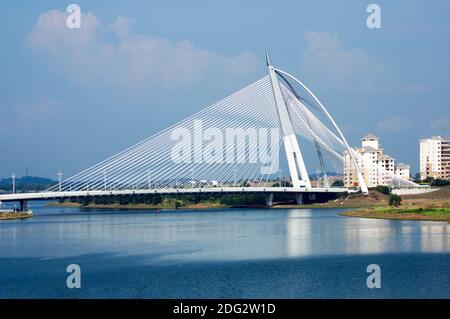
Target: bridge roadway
[[24, 197]]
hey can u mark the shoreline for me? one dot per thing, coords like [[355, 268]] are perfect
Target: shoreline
[[433, 206], [140, 206], [401, 214], [15, 215], [373, 212], [202, 206]]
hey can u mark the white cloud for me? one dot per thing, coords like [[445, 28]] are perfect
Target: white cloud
[[50, 34], [441, 126], [122, 26], [326, 57], [395, 124], [88, 55], [351, 69]]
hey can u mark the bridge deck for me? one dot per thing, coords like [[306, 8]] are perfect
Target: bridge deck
[[163, 191]]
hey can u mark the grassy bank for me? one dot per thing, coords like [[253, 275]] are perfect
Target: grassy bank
[[15, 215], [428, 206], [437, 214], [434, 206]]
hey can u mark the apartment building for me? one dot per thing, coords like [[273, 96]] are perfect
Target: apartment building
[[373, 163], [435, 157]]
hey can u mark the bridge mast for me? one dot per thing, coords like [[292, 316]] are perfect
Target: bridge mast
[[361, 180], [297, 168]]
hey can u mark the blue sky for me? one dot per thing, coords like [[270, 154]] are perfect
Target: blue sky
[[70, 98]]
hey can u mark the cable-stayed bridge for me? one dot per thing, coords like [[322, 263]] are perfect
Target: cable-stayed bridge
[[235, 145]]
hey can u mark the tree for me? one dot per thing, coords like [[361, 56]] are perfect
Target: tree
[[243, 199], [417, 178], [287, 184], [86, 201], [395, 200], [439, 182], [338, 183], [384, 189]]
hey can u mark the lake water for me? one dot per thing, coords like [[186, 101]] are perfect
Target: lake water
[[234, 253]]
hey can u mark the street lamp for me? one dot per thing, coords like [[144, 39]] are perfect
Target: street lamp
[[104, 180], [279, 177], [192, 178], [60, 174], [13, 177], [148, 179]]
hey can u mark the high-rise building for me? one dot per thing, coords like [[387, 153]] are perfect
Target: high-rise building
[[403, 170], [373, 163], [435, 158]]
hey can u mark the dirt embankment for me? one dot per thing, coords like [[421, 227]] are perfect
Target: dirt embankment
[[428, 206]]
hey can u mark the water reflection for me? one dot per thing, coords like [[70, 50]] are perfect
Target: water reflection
[[435, 239], [322, 232], [298, 232], [370, 236], [215, 235]]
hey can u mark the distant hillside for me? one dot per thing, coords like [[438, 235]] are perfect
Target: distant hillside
[[27, 183]]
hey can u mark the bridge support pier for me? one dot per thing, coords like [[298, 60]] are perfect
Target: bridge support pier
[[23, 205], [299, 198], [269, 199]]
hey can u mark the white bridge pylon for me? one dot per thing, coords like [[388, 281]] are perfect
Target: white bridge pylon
[[235, 142], [297, 168]]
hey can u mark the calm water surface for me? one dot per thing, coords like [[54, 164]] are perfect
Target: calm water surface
[[253, 253]]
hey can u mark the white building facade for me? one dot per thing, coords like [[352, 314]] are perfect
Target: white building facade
[[435, 158], [373, 163], [403, 171]]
